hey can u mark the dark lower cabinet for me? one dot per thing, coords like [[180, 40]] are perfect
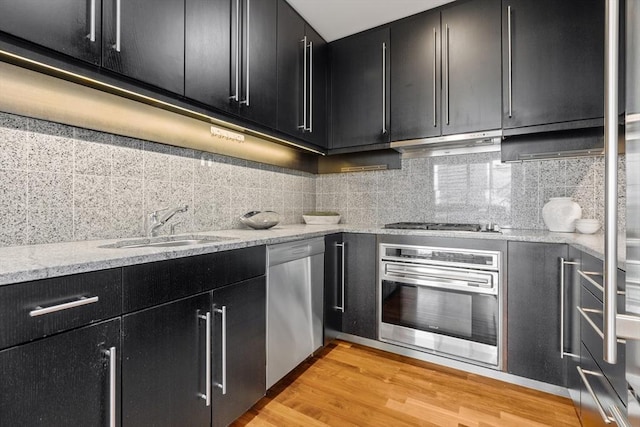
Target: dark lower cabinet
[[144, 40], [63, 380], [239, 349], [572, 321], [350, 285], [533, 311], [72, 27], [360, 89], [164, 364]]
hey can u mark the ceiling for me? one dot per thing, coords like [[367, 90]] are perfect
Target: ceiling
[[335, 19]]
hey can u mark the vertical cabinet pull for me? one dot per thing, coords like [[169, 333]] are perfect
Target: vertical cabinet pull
[[340, 307], [223, 384], [310, 128], [446, 75], [247, 56], [92, 22], [236, 96], [609, 299], [384, 88], [113, 365], [435, 60], [510, 61], [303, 127], [207, 394], [117, 46], [563, 263]]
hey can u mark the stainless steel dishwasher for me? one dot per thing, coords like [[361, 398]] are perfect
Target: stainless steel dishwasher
[[295, 282]]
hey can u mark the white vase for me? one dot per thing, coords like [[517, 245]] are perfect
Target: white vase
[[560, 214]]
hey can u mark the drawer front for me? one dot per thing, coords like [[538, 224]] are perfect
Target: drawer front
[[594, 343], [592, 267], [238, 265], [43, 307], [598, 395]]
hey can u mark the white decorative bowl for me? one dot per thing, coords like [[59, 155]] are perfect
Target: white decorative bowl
[[587, 226], [260, 220], [321, 219], [560, 214]]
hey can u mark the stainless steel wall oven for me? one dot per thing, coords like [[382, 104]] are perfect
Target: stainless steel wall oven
[[443, 300]]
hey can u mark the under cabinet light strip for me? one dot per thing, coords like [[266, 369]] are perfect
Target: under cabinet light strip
[[20, 60]]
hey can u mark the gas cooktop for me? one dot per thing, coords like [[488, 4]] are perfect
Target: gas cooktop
[[433, 226]]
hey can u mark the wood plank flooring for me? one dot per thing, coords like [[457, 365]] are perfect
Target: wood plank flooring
[[351, 385]]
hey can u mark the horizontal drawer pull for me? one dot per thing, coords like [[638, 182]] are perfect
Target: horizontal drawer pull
[[584, 311], [587, 276], [583, 375], [39, 311]]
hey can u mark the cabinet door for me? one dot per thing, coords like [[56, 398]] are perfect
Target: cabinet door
[[63, 380], [572, 322], [415, 77], [239, 363], [144, 40], [208, 52], [533, 311], [360, 313], [258, 73], [317, 111], [471, 56], [72, 27], [334, 258], [360, 89], [164, 364], [555, 50]]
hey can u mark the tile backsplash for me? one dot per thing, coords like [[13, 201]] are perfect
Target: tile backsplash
[[468, 188], [61, 183]]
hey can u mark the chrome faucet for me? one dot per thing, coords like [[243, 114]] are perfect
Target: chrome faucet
[[155, 221]]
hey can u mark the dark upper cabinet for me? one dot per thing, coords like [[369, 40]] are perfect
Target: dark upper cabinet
[[415, 77], [553, 61], [360, 89], [144, 40], [63, 380], [239, 349], [72, 27], [533, 312], [301, 61], [208, 52], [471, 58], [164, 355]]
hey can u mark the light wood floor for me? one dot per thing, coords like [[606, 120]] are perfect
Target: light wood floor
[[351, 385]]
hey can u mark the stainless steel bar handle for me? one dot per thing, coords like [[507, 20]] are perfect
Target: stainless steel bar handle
[[113, 365], [223, 384], [40, 311], [384, 88], [611, 181], [303, 127], [618, 417], [435, 59], [236, 95], [117, 46], [248, 56], [510, 60], [92, 22], [207, 394], [446, 75], [587, 276], [583, 375], [310, 128], [563, 263], [340, 307], [583, 312]]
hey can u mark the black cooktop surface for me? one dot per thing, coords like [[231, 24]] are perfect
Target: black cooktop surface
[[433, 226]]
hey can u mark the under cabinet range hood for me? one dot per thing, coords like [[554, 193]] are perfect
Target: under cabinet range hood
[[476, 142]]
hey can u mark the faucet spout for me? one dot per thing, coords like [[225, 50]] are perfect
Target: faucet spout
[[155, 222]]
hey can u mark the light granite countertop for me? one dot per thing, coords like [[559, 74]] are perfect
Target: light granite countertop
[[32, 262]]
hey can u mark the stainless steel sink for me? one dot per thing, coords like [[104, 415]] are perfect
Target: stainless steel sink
[[167, 241]]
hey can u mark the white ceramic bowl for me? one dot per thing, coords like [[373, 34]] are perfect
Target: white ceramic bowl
[[587, 226], [321, 219]]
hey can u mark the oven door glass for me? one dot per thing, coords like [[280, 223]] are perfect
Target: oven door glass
[[466, 315]]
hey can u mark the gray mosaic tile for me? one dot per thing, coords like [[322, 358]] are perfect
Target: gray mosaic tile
[[128, 158], [47, 153], [360, 216], [91, 224], [14, 149], [204, 207], [204, 168], [157, 159], [50, 128], [92, 192], [50, 191], [13, 224], [92, 158], [49, 225], [182, 165], [92, 136], [13, 188], [13, 121], [580, 173], [221, 174]]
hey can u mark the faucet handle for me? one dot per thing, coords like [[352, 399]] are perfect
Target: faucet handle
[[154, 214], [172, 229]]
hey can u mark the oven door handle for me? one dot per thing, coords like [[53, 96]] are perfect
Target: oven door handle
[[436, 278]]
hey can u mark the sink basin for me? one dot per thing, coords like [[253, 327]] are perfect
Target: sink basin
[[166, 242]]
